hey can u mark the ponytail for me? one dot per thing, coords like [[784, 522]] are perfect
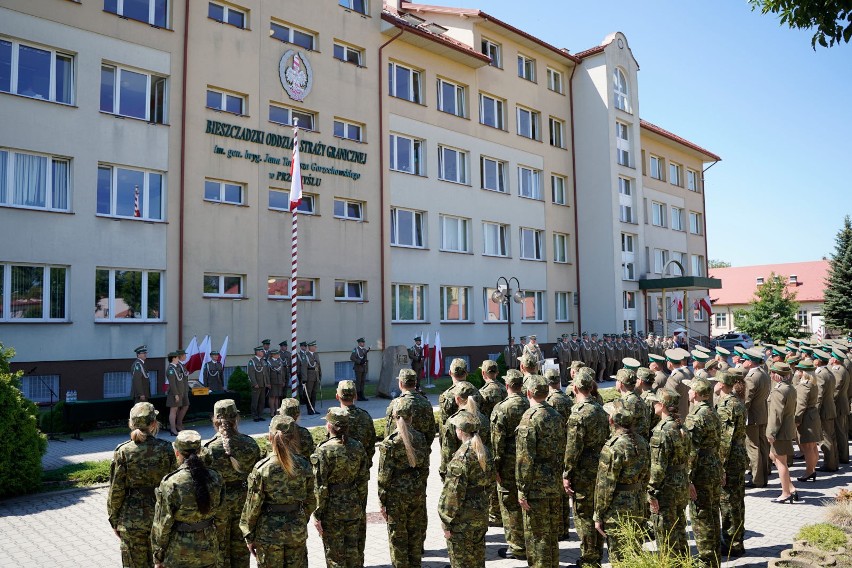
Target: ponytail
[[471, 405], [479, 449], [341, 432], [200, 478], [405, 436], [139, 436], [282, 447], [228, 428]]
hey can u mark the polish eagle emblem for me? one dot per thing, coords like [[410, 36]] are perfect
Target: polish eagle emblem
[[296, 75]]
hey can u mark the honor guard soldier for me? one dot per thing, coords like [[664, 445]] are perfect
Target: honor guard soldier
[[585, 351], [576, 349], [212, 373], [140, 387], [266, 343], [287, 359], [359, 364], [826, 386], [557, 349], [644, 350], [699, 359], [310, 375], [277, 379], [415, 353], [609, 355], [676, 361], [757, 390], [841, 401], [177, 397], [258, 380], [564, 361], [511, 353], [657, 366]]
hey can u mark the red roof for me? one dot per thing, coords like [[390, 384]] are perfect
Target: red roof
[[590, 51], [671, 136], [739, 283]]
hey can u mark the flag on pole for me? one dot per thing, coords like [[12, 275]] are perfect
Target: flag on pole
[[438, 366], [295, 170], [425, 354], [705, 304], [196, 360], [136, 210], [223, 351], [192, 350], [295, 200]]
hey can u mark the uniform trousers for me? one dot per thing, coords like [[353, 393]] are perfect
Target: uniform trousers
[[758, 453], [841, 429], [406, 529], [828, 445], [591, 541], [257, 402], [513, 520], [704, 512], [542, 528]]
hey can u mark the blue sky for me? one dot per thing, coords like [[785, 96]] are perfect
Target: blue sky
[[737, 83]]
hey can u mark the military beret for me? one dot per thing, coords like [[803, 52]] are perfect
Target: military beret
[[584, 379], [754, 354], [360, 340], [575, 365], [822, 355], [266, 342], [514, 378], [701, 386], [700, 355], [552, 376], [631, 363], [464, 389], [225, 409], [214, 353], [465, 421], [645, 375], [275, 352], [620, 414], [780, 367], [488, 366], [290, 407], [142, 415], [722, 351], [404, 407], [187, 441], [141, 349], [528, 360], [283, 424], [337, 416], [346, 390], [726, 378], [407, 377], [259, 348], [656, 358], [626, 376], [458, 366], [537, 385]]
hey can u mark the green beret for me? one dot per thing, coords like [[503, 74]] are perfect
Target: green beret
[[346, 390], [408, 377], [283, 424], [142, 415], [513, 378], [626, 376], [620, 414], [552, 376], [631, 363], [464, 389], [290, 407], [225, 409], [458, 366], [465, 421], [701, 386], [337, 417], [584, 379], [537, 385], [187, 441]]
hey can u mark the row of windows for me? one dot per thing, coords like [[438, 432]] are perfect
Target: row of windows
[[657, 170], [696, 264], [660, 218], [527, 66]]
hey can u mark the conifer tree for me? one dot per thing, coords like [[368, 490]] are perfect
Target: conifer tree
[[838, 286]]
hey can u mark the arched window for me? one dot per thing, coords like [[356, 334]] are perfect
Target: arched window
[[621, 90]]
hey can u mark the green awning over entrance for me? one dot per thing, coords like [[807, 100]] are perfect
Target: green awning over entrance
[[680, 283]]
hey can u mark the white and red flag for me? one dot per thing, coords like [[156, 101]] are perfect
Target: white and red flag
[[195, 361], [223, 351], [295, 171], [438, 367], [705, 304]]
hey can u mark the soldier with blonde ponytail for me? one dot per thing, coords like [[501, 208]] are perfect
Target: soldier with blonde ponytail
[[465, 395]]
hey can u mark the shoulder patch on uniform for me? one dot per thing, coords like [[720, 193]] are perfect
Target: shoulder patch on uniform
[[314, 459], [262, 461], [122, 444]]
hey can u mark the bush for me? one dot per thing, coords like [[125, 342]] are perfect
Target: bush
[[23, 445], [475, 378], [637, 556], [609, 394], [823, 536], [239, 382], [53, 421]]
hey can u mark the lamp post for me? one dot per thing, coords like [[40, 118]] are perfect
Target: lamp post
[[503, 296]]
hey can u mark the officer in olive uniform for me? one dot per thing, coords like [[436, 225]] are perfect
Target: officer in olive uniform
[[511, 353], [826, 387], [140, 388], [359, 364], [137, 467], [277, 378], [418, 357], [676, 363], [841, 402], [699, 360], [734, 460], [306, 445], [564, 361], [287, 360], [310, 375], [576, 349], [534, 349], [212, 373], [757, 385], [423, 417], [259, 381], [265, 346], [177, 396]]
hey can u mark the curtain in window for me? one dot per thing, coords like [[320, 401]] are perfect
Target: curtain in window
[[4, 159], [27, 292], [30, 180], [60, 184]]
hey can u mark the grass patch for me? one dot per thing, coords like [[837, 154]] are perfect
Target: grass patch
[[823, 536], [839, 514], [609, 394], [637, 556], [75, 475]]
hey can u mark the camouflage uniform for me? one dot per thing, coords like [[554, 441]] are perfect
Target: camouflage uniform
[[492, 393], [734, 460], [402, 493], [340, 470], [450, 442], [423, 419], [463, 505], [276, 512], [135, 472], [639, 410], [504, 423], [541, 435], [307, 446], [588, 428], [669, 484], [705, 473], [182, 535], [562, 404]]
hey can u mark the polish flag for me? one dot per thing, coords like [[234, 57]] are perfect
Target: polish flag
[[195, 362], [192, 351], [437, 369], [223, 351], [295, 170], [425, 354], [704, 304]]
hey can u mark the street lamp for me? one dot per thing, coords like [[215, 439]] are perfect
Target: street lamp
[[502, 296]]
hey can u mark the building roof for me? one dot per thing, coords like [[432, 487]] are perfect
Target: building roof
[[674, 137], [739, 283], [589, 52], [391, 16]]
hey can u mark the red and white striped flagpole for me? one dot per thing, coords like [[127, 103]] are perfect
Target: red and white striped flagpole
[[295, 200]]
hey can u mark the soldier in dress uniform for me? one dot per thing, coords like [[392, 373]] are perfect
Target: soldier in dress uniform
[[699, 359], [734, 460], [562, 404], [642, 345], [757, 385], [587, 354], [310, 375], [557, 349], [511, 353], [564, 361], [287, 359], [534, 349], [277, 378], [620, 350], [609, 355], [600, 354], [415, 353], [657, 366], [423, 418], [576, 349], [722, 355], [841, 402], [266, 343], [359, 363], [781, 427], [140, 388], [259, 381], [213, 373], [177, 396], [826, 387], [676, 362]]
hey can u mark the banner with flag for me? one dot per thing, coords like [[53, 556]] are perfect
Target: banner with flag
[[705, 304], [438, 367], [295, 171], [196, 360], [223, 351]]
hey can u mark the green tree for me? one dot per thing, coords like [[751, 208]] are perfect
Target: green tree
[[831, 18], [771, 315], [838, 287], [23, 445], [716, 263]]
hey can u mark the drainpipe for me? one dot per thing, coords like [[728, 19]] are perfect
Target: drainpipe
[[706, 252], [382, 182], [576, 216], [182, 172]]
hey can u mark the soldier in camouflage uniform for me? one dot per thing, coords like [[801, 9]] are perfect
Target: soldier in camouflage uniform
[[463, 505], [137, 467], [341, 474], [668, 485], [233, 455], [644, 382], [447, 400], [491, 393], [623, 473], [465, 401], [189, 505], [305, 445], [281, 495], [705, 471], [562, 404], [588, 428], [625, 384], [504, 423], [423, 419], [734, 460], [403, 473], [541, 437]]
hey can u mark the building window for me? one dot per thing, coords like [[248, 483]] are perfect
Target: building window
[[526, 68], [560, 247], [557, 190], [674, 174], [290, 34], [223, 192], [557, 132], [529, 123], [123, 295], [493, 311], [658, 214], [36, 388], [493, 174], [279, 200], [404, 83], [133, 94], [452, 165], [32, 180], [624, 186], [408, 302], [348, 130], [287, 115], [33, 293], [621, 91], [629, 300], [554, 80], [697, 265], [627, 242], [677, 219], [407, 228], [628, 271], [793, 279], [359, 6], [679, 257], [696, 225], [563, 306], [529, 182], [349, 210], [455, 233], [406, 154], [452, 98], [130, 193], [759, 280], [722, 319], [532, 244], [117, 384], [349, 54], [349, 290], [691, 180], [37, 73], [625, 214], [154, 12], [492, 50], [226, 102], [455, 303], [661, 258], [227, 14], [278, 288], [622, 144], [496, 239], [802, 318], [656, 167], [630, 326], [223, 285], [492, 111], [532, 308]]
